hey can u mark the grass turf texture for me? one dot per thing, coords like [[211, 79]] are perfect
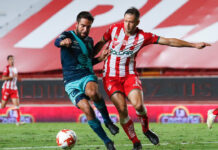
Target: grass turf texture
[[172, 137]]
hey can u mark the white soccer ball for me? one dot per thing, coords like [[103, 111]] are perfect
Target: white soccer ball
[[66, 139]]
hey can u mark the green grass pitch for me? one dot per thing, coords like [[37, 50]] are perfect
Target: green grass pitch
[[172, 137]]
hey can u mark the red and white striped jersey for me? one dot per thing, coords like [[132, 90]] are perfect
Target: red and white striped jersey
[[124, 49], [10, 71]]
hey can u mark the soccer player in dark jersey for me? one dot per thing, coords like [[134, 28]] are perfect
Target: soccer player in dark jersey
[[77, 53], [120, 77]]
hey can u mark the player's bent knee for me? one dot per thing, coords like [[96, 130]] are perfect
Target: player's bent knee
[[122, 110], [92, 94], [139, 107]]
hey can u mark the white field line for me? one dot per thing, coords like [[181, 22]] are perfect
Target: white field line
[[117, 145]]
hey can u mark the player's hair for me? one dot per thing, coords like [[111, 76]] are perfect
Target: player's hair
[[86, 15], [9, 56], [133, 11]]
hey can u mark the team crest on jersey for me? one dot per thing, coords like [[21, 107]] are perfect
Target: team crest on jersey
[[10, 117]]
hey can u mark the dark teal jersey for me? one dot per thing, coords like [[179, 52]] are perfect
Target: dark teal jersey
[[76, 60]]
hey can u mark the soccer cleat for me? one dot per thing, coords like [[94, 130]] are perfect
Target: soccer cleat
[[210, 118], [112, 128], [137, 146], [110, 146], [153, 138], [20, 123]]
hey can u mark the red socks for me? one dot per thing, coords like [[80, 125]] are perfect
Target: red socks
[[130, 131], [215, 112], [144, 122]]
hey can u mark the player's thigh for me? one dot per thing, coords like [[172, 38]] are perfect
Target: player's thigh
[[91, 89], [15, 101], [3, 103], [131, 82], [133, 90], [15, 97], [119, 101], [136, 97], [90, 86], [6, 94], [113, 85], [74, 92]]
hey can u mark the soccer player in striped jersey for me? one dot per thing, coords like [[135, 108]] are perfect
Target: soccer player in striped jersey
[[9, 87], [77, 52], [120, 77]]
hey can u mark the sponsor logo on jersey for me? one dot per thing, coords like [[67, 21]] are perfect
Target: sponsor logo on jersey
[[121, 53]]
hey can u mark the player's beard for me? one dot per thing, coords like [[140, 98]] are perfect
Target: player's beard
[[80, 34]]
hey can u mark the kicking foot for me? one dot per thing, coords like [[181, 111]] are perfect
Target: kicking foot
[[112, 128], [110, 146], [210, 118], [153, 138], [137, 146]]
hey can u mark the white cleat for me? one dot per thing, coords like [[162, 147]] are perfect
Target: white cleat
[[210, 118], [20, 123]]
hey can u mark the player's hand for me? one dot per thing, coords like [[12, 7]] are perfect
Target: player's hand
[[104, 55], [201, 45], [66, 42]]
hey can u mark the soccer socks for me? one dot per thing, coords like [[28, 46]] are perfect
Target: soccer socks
[[103, 110], [17, 110], [18, 115], [97, 128], [128, 127], [215, 112], [144, 122]]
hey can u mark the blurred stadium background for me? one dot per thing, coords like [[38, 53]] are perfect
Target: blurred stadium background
[[180, 84]]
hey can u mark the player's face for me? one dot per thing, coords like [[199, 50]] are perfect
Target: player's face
[[130, 23], [83, 27], [11, 61]]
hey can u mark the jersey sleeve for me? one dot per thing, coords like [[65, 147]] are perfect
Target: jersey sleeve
[[150, 38], [107, 34], [6, 71], [61, 37]]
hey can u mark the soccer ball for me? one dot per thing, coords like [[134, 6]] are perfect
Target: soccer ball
[[66, 138]]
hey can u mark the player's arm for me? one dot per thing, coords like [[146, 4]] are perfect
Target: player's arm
[[99, 45], [103, 56], [105, 38], [63, 40], [6, 78], [181, 43]]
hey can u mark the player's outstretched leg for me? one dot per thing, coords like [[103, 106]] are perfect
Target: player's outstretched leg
[[97, 128], [153, 138], [211, 115], [100, 105]]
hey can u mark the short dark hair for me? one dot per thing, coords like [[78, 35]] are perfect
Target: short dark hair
[[133, 11], [9, 56], [86, 15]]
